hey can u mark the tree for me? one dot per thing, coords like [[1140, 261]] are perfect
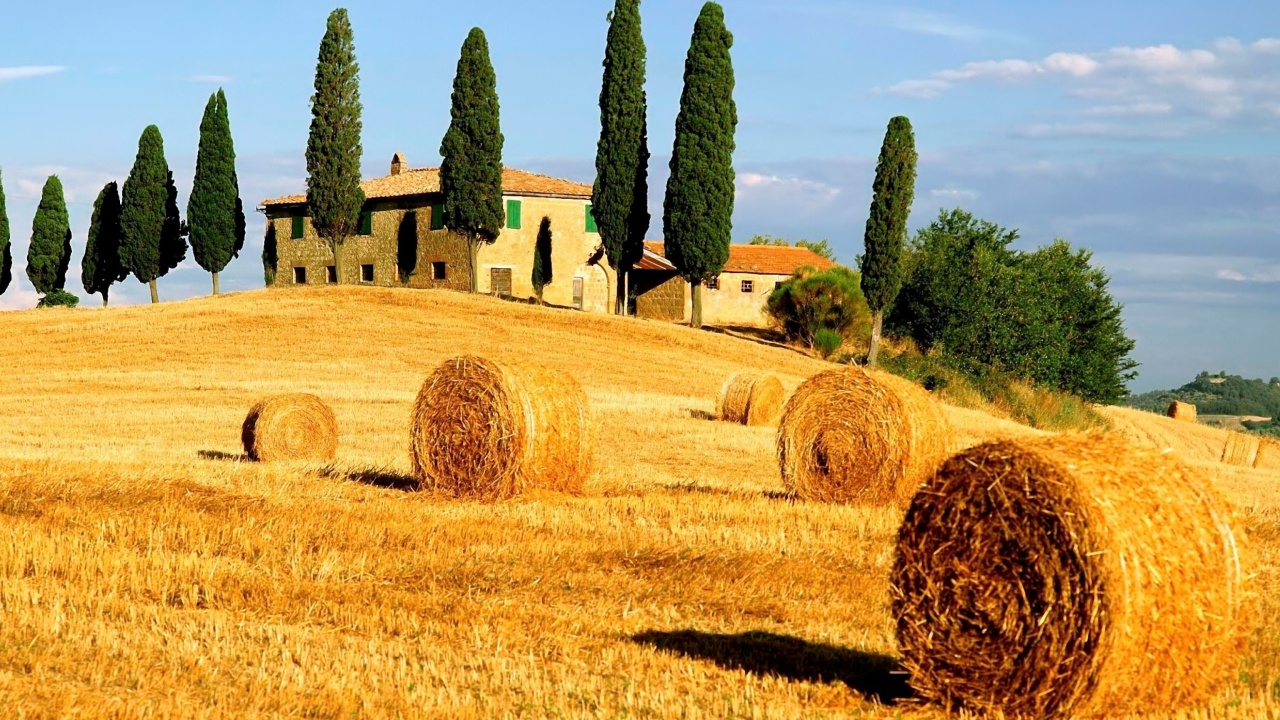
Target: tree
[[6, 251], [145, 213], [893, 191], [471, 168], [173, 235], [542, 271], [100, 268], [215, 214], [810, 301], [49, 254], [334, 197], [821, 248], [620, 198], [697, 214]]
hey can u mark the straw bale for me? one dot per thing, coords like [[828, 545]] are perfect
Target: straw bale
[[751, 399], [1069, 576], [852, 436], [1182, 411], [1268, 455], [1241, 449], [295, 426], [492, 430]]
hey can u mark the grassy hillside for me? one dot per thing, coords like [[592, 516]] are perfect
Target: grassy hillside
[[146, 569], [1219, 394]]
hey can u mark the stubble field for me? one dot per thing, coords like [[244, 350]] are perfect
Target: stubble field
[[148, 570]]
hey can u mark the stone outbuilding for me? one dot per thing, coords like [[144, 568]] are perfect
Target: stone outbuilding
[[736, 297], [401, 240]]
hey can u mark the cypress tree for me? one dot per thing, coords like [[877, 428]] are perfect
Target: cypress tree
[[49, 254], [214, 211], [6, 251], [334, 197], [144, 211], [173, 237], [886, 235], [620, 199], [697, 215], [542, 271], [471, 169], [100, 267]]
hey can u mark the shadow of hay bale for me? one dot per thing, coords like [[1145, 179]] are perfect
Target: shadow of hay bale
[[381, 478], [224, 456], [703, 415], [879, 677]]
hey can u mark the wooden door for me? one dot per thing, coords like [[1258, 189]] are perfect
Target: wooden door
[[577, 292]]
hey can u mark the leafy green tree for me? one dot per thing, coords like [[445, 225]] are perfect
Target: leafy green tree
[[811, 301], [6, 251], [173, 235], [214, 211], [542, 272], [100, 268], [697, 214], [270, 255], [334, 197], [471, 169], [49, 254], [620, 199], [58, 298], [821, 248], [146, 213], [886, 235]]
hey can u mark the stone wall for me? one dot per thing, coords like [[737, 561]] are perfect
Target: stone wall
[[659, 295]]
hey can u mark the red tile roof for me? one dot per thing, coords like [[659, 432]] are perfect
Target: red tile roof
[[426, 181], [762, 259]]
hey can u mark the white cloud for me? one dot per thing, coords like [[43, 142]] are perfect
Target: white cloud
[[811, 189], [212, 79], [1133, 109], [28, 71], [1263, 274], [1231, 275], [954, 194]]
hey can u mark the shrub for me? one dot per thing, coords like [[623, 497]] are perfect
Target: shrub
[[810, 301], [827, 341], [58, 298]]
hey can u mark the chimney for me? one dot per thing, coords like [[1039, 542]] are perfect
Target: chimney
[[398, 165]]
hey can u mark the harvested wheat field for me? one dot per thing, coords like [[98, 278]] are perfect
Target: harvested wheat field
[[147, 568]]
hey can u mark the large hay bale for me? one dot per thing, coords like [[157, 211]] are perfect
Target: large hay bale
[[853, 436], [1182, 411], [751, 399], [1268, 455], [1241, 449], [295, 426], [1071, 576], [492, 430]]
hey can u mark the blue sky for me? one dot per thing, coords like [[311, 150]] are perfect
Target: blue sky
[[1146, 131]]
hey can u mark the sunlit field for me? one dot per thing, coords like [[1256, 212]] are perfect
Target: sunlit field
[[148, 569]]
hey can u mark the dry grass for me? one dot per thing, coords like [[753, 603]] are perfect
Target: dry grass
[[146, 570]]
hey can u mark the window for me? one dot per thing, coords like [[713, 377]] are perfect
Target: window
[[331, 274], [299, 227], [591, 221], [513, 214], [299, 276], [437, 217], [577, 292], [438, 271], [366, 223], [748, 286], [713, 283], [366, 273]]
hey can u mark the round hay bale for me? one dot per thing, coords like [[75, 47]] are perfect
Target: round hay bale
[[1241, 449], [751, 399], [853, 436], [492, 430], [1182, 411], [296, 426], [1071, 576], [1268, 455]]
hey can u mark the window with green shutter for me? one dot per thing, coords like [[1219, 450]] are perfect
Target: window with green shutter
[[591, 221], [513, 214], [366, 223], [437, 217], [299, 226]]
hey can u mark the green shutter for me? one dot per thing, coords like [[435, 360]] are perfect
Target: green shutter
[[299, 225], [591, 221], [366, 223], [513, 214], [437, 217]]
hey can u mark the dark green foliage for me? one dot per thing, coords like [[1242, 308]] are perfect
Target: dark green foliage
[[827, 341], [242, 224], [49, 254], [1218, 394], [6, 251], [58, 298], [173, 235], [471, 168], [1270, 428], [100, 268], [886, 235], [542, 271], [821, 248], [1044, 316], [334, 197], [620, 199], [697, 214], [214, 211], [811, 301], [144, 203], [270, 255]]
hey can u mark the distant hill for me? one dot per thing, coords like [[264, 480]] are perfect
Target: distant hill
[[1219, 394]]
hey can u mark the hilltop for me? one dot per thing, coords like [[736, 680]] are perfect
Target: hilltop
[[1236, 398]]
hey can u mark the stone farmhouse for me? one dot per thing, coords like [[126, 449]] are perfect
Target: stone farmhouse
[[401, 240]]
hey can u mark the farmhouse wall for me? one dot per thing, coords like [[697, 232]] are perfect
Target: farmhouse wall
[[659, 295]]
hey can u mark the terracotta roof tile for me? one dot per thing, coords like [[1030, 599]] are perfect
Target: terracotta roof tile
[[762, 259], [425, 181]]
